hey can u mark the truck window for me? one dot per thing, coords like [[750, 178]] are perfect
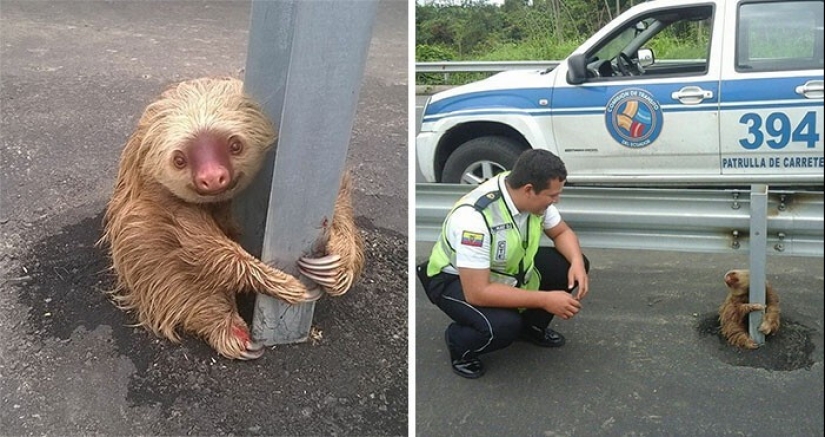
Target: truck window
[[779, 36], [679, 40]]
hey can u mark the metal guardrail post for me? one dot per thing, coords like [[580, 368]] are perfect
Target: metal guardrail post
[[758, 256], [305, 65]]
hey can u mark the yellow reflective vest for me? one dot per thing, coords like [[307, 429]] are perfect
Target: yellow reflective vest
[[511, 254]]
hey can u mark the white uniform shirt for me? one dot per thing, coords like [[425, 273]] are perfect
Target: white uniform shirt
[[468, 219]]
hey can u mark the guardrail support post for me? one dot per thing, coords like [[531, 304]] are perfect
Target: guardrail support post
[[758, 256], [305, 65]]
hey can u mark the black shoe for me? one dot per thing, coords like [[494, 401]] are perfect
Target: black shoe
[[471, 368], [542, 337]]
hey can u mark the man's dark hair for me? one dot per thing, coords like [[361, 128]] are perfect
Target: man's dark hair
[[536, 167]]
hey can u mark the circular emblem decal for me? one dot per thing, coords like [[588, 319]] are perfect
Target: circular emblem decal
[[633, 118]]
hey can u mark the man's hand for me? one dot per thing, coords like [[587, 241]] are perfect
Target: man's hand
[[561, 303], [577, 278], [567, 243]]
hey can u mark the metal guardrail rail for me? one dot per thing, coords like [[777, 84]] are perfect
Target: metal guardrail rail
[[445, 68], [448, 67], [497, 66], [482, 66], [688, 220]]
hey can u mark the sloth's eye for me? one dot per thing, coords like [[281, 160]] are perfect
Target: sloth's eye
[[179, 160], [235, 146]]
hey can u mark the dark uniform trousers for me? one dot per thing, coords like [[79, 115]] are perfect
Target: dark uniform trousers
[[479, 330]]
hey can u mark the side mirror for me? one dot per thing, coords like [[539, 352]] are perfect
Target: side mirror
[[576, 69], [645, 57]]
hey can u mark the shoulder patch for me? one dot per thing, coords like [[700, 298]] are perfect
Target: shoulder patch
[[487, 199], [473, 239]]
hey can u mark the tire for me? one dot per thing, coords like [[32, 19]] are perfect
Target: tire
[[480, 159]]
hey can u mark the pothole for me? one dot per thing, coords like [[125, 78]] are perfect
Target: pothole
[[791, 348]]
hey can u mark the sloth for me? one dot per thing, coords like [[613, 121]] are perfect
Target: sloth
[[734, 310], [169, 227]]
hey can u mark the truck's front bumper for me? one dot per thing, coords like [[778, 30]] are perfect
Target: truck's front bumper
[[425, 144]]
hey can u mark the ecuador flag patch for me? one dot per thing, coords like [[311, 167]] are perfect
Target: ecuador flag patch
[[472, 239]]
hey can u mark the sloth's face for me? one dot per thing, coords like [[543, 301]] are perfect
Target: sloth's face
[[738, 281], [206, 140]]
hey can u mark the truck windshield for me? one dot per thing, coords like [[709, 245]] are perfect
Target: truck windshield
[[618, 43]]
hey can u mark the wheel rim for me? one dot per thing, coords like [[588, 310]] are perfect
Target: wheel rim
[[480, 171]]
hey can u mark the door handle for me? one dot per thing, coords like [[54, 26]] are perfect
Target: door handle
[[813, 89], [691, 95]]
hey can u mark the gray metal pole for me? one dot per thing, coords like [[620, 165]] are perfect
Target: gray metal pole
[[305, 65], [758, 256]]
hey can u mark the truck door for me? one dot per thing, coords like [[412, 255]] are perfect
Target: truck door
[[654, 116], [772, 91]]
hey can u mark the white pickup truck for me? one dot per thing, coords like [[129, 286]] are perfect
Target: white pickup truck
[[744, 105]]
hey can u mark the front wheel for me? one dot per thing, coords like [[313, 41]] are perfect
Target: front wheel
[[480, 159]]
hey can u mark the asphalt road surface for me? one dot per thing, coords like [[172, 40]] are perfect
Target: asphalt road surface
[[75, 77], [643, 358]]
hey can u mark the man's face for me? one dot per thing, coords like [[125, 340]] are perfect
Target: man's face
[[538, 202]]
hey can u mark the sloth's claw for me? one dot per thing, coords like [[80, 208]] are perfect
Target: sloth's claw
[[253, 351], [343, 285], [250, 350], [328, 262], [313, 294], [327, 272], [324, 271], [326, 279]]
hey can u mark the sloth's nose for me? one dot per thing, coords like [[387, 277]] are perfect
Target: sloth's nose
[[212, 180]]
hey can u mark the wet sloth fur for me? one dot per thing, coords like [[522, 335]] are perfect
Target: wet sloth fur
[[733, 313], [169, 227]]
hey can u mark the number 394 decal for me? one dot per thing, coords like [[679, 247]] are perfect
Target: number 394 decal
[[777, 129]]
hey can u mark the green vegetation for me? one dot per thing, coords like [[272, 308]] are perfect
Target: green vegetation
[[518, 31]]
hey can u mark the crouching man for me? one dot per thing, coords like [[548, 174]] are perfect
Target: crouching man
[[488, 273]]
